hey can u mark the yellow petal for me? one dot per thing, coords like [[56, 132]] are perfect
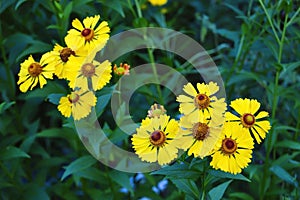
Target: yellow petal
[[190, 90], [231, 117], [149, 156], [262, 114], [186, 108], [185, 123], [183, 142], [64, 106], [265, 125], [166, 154], [42, 81], [25, 85], [203, 89], [77, 24], [172, 129], [102, 28], [195, 148], [253, 106], [241, 106], [213, 88], [184, 99]]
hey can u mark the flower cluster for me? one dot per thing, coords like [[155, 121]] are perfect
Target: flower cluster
[[75, 63], [204, 129]]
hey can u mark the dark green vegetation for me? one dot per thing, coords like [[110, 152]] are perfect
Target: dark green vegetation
[[256, 45]]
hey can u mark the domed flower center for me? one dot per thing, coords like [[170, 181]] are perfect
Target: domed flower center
[[202, 101], [248, 120], [35, 69], [65, 53], [200, 131], [158, 138], [73, 97], [88, 69], [120, 71], [229, 146], [88, 34]]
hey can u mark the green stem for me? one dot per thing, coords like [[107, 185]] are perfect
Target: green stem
[[139, 11], [293, 17], [131, 9], [151, 57], [275, 94], [270, 21]]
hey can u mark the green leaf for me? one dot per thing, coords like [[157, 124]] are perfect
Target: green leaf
[[284, 175], [240, 195], [19, 3], [178, 171], [50, 88], [34, 192], [114, 4], [12, 152], [187, 186], [4, 106], [222, 174], [93, 174], [54, 98], [36, 47], [102, 103], [122, 179], [289, 144], [67, 133], [78, 165], [5, 4], [217, 192]]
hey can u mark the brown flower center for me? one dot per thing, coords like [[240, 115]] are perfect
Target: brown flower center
[[73, 97], [88, 34], [88, 69], [202, 101], [200, 131], [35, 69], [65, 53], [158, 138], [248, 120], [229, 146]]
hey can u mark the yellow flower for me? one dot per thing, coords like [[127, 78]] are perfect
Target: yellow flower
[[91, 74], [201, 102], [79, 103], [87, 34], [199, 135], [32, 73], [158, 2], [66, 59], [153, 141], [248, 119], [233, 151]]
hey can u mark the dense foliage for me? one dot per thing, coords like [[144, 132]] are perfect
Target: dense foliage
[[255, 45]]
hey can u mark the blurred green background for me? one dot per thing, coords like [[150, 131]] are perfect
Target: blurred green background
[[256, 45]]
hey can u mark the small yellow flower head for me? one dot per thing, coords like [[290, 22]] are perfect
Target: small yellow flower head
[[32, 73], [158, 2], [201, 102], [91, 74], [156, 110], [88, 35], [66, 59], [154, 140], [123, 69], [199, 135], [79, 103], [247, 118], [233, 151]]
